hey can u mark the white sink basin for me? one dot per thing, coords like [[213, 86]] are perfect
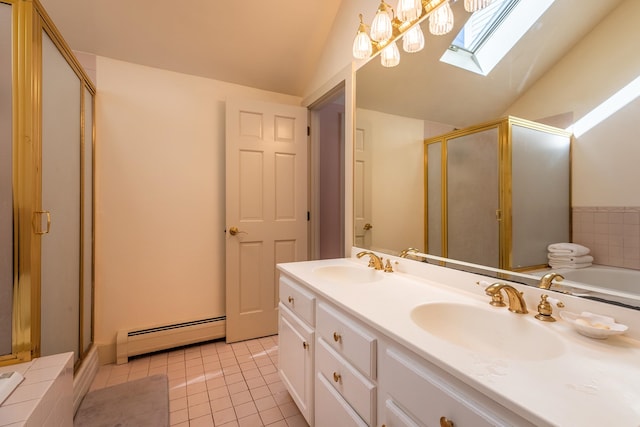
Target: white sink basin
[[348, 274], [492, 332]]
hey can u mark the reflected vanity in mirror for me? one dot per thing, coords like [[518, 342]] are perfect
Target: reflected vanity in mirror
[[559, 72]]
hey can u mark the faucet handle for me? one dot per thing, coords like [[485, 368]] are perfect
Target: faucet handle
[[545, 310], [387, 266], [497, 300]]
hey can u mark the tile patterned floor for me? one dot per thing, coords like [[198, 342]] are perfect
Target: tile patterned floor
[[216, 384]]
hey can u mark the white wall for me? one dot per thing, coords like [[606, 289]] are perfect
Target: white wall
[[397, 180], [605, 170], [337, 53], [160, 211]]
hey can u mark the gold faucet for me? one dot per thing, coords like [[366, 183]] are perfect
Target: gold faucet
[[412, 252], [408, 251], [516, 301], [547, 279], [374, 260]]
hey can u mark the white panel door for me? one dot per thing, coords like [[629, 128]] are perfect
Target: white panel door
[[266, 210], [362, 182]]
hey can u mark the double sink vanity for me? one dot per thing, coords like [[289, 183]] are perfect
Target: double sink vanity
[[422, 346]]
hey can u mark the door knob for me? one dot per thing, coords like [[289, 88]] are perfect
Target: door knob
[[367, 226], [234, 230]]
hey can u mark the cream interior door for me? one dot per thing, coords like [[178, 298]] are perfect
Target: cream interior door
[[266, 210], [363, 226]]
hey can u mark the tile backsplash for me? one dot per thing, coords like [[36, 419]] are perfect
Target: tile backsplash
[[612, 234]]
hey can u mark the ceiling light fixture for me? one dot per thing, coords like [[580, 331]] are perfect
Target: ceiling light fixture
[[387, 27], [441, 20], [475, 5]]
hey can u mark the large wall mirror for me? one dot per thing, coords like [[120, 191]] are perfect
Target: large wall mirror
[[573, 59]]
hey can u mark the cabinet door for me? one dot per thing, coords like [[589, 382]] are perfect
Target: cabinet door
[[295, 360], [333, 410]]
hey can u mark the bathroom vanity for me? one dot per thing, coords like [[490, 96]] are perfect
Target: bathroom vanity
[[422, 346]]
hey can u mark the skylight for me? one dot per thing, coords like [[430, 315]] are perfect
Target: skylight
[[490, 33]]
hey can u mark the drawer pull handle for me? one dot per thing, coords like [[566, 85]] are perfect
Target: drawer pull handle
[[337, 377], [337, 337], [290, 299], [305, 345], [445, 422]]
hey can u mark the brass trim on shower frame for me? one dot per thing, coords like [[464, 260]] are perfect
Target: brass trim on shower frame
[[505, 175], [29, 21]]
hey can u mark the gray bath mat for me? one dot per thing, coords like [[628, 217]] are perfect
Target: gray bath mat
[[139, 403]]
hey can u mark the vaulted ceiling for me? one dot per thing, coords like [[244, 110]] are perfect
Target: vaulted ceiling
[[271, 45]]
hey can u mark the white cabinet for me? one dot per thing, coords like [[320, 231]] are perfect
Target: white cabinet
[[417, 393], [296, 344], [333, 410], [353, 375]]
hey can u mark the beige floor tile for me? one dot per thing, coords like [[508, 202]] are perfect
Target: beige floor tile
[[245, 409], [177, 404], [204, 421], [221, 403], [289, 409], [224, 416], [200, 410], [218, 392], [178, 416], [270, 416], [297, 421], [197, 398], [265, 403], [216, 384], [250, 421], [240, 398], [237, 387]]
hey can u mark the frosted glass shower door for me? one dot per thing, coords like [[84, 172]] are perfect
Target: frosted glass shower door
[[61, 178], [473, 202], [6, 182]]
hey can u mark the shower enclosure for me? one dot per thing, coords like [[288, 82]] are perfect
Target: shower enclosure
[[46, 190], [498, 193]]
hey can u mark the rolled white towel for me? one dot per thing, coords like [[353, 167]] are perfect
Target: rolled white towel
[[568, 249], [582, 259]]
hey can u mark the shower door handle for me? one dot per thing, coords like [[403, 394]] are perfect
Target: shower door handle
[[37, 222]]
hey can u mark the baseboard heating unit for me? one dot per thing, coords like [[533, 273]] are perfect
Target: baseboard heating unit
[[141, 341]]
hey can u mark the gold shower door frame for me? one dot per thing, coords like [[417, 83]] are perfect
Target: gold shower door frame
[[29, 21], [505, 174]]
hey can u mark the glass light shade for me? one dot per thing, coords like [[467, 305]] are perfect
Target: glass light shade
[[409, 10], [362, 46], [413, 40], [475, 5], [390, 56], [441, 20], [381, 29]]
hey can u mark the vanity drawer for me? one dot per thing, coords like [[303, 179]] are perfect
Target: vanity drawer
[[348, 339], [357, 390], [335, 411], [395, 417], [427, 396], [298, 300]]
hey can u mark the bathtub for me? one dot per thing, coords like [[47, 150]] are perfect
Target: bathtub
[[600, 281], [618, 279]]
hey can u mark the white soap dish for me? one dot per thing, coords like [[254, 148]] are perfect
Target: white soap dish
[[593, 325]]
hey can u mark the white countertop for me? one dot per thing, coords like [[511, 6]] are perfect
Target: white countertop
[[591, 383]]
